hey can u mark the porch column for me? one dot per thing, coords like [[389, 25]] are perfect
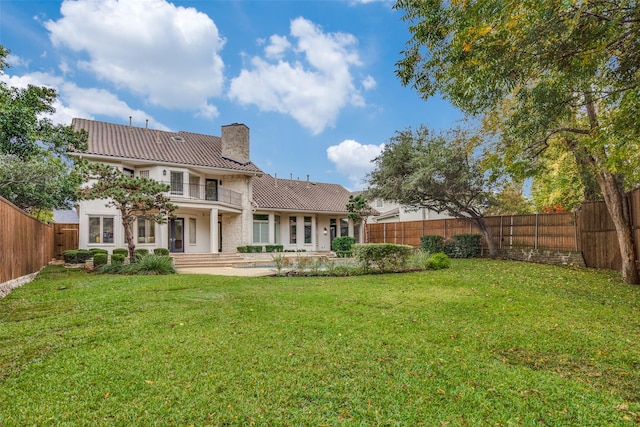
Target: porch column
[[213, 231], [314, 233], [350, 225], [272, 229]]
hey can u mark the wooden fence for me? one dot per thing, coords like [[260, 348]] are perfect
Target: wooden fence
[[26, 244], [589, 230]]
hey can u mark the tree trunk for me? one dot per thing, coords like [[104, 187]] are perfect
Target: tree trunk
[[616, 201], [128, 235], [488, 236]]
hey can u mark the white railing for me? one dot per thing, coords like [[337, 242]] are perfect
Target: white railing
[[206, 193]]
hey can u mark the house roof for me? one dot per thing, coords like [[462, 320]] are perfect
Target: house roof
[[184, 148], [296, 195]]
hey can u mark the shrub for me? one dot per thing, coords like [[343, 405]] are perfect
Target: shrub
[[274, 248], [438, 261], [141, 253], [99, 259], [432, 243], [242, 249], [151, 264], [342, 246], [113, 268], [118, 258], [161, 251], [279, 260], [121, 251], [95, 251], [384, 256], [465, 245], [419, 260], [84, 255], [70, 256], [254, 249]]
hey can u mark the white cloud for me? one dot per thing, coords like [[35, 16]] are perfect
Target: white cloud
[[15, 61], [74, 101], [166, 53], [312, 85], [277, 46], [369, 83], [354, 159]]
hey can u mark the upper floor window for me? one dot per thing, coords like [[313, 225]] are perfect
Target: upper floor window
[[379, 203], [176, 183]]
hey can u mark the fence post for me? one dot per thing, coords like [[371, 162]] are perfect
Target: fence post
[[501, 231], [535, 242], [575, 230]]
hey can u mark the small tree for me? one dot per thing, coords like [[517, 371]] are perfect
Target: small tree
[[132, 196], [359, 211], [418, 170]]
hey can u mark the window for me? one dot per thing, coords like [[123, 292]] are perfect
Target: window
[[344, 227], [379, 203], [192, 231], [260, 228], [211, 189], [176, 183], [307, 229], [127, 171], [144, 174], [100, 229], [194, 186], [276, 229], [146, 230], [293, 230]]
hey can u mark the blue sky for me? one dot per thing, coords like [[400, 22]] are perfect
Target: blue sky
[[313, 80]]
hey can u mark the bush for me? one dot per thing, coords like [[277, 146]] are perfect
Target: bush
[[83, 255], [161, 251], [99, 259], [151, 264], [141, 253], [464, 246], [121, 251], [242, 249], [95, 251], [342, 246], [70, 256], [254, 249], [274, 248], [438, 261], [419, 260], [118, 258], [432, 243], [384, 256]]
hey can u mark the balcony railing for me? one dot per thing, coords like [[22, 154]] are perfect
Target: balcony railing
[[205, 192]]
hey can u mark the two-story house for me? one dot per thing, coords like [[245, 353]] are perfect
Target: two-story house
[[224, 200]]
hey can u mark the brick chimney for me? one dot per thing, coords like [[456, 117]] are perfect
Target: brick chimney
[[235, 143]]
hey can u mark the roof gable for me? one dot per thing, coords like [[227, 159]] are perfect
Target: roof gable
[[182, 148]]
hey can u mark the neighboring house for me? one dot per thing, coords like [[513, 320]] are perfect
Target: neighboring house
[[224, 200], [393, 212]]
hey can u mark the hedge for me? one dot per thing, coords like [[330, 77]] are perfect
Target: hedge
[[161, 251], [99, 259], [121, 251], [274, 248], [384, 256], [342, 246]]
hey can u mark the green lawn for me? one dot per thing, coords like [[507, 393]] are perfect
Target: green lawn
[[483, 343]]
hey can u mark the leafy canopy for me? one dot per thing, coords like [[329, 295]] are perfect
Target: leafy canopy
[[35, 173]]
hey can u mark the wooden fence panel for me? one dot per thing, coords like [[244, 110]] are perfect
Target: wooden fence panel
[[66, 237], [26, 244]]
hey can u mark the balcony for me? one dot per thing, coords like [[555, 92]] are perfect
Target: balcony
[[207, 193]]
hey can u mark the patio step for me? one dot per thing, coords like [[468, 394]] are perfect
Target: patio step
[[206, 260]]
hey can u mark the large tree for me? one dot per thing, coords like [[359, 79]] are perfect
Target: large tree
[[36, 173], [133, 197], [418, 169], [554, 70]]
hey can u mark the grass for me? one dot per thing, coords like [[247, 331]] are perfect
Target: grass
[[483, 343]]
